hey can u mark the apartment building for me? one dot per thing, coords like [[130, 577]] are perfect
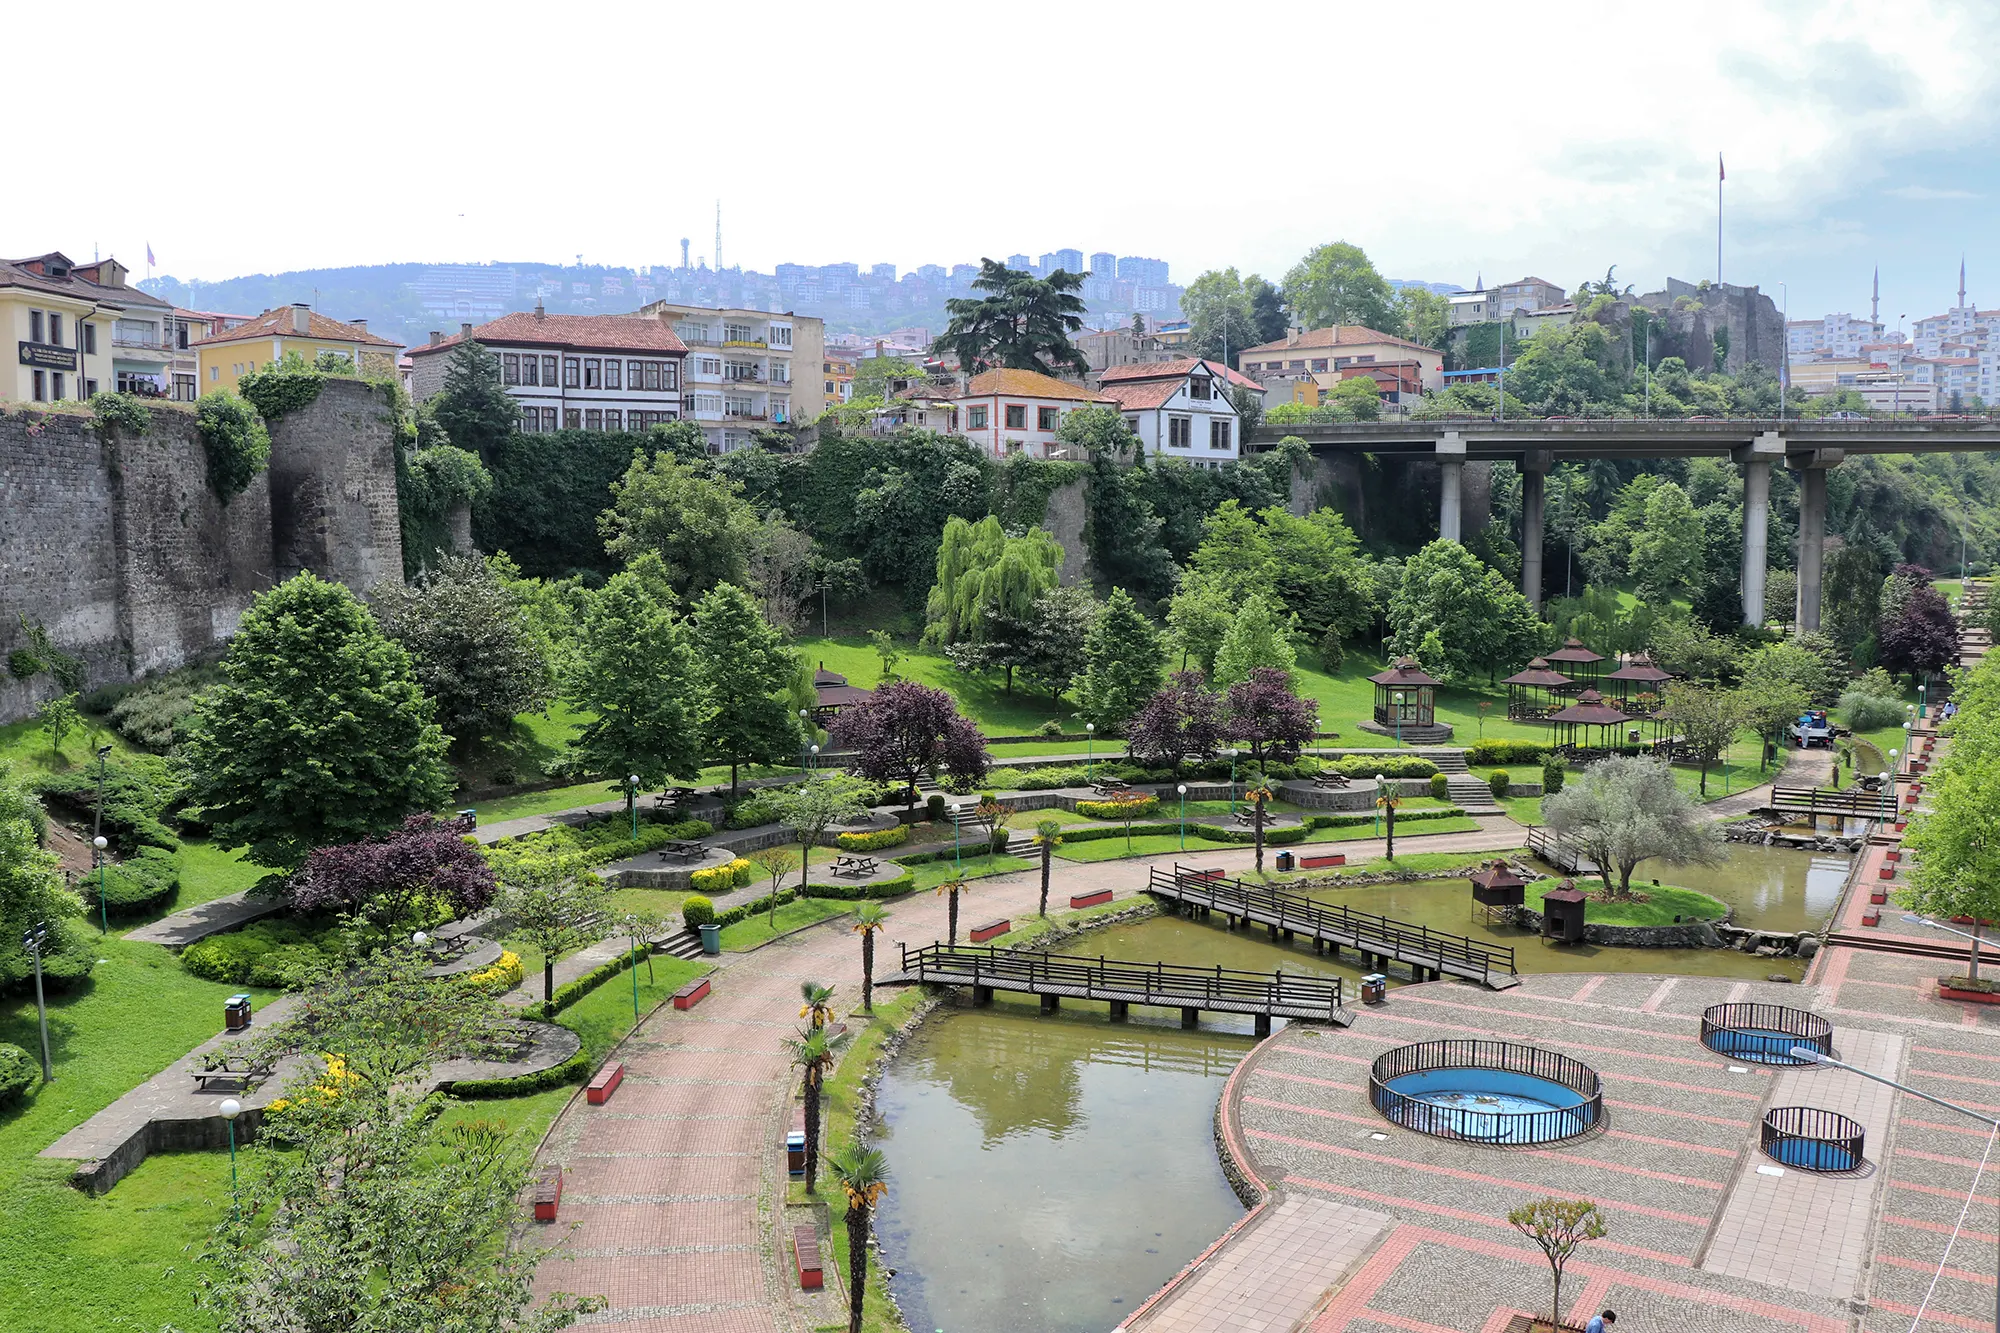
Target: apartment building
[[1484, 305], [1010, 411], [572, 372], [1332, 354], [746, 369], [79, 329], [1179, 409], [1838, 336]]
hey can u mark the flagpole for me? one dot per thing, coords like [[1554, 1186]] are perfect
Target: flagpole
[[1720, 176]]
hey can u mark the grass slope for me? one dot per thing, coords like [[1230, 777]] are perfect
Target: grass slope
[[1661, 904]]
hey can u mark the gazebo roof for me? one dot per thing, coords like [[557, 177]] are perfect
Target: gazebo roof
[[1564, 896], [1497, 875], [1640, 670], [823, 677], [1574, 651], [1538, 672], [1591, 710], [1405, 672]]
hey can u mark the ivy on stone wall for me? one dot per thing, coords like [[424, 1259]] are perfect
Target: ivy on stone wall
[[122, 410], [430, 483], [547, 493], [286, 387], [1022, 487], [235, 441]]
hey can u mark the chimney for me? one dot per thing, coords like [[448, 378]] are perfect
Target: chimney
[[878, 349], [465, 330], [301, 318], [436, 337], [361, 324], [543, 314]]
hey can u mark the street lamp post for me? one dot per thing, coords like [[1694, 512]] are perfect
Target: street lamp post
[[98, 859], [1090, 752], [32, 939], [1233, 753], [1809, 1055], [812, 759], [632, 801], [1379, 780], [1183, 791], [97, 841], [231, 1108], [805, 736]]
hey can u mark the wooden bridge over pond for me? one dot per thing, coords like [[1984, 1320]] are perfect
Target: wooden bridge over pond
[[1192, 990], [1380, 940], [1851, 803]]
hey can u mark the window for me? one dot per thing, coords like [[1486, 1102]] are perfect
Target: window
[[1298, 365], [781, 335], [89, 332], [1198, 388], [90, 388], [528, 375], [593, 377], [1132, 424], [708, 365], [1319, 363], [572, 373], [975, 418], [214, 374], [572, 418], [612, 418], [670, 375], [1179, 430], [1218, 434], [548, 418], [531, 418], [635, 375], [1045, 418], [611, 376], [41, 378], [548, 372], [593, 419], [56, 386], [35, 330], [829, 386], [510, 368], [55, 335], [1017, 416], [781, 372], [1365, 360], [180, 336]]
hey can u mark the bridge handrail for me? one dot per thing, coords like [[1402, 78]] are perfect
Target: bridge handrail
[[1877, 804], [978, 965]]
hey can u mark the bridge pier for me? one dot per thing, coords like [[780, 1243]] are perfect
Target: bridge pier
[[982, 995], [1190, 1018], [1534, 489], [1271, 932], [1051, 1003], [1263, 1025], [1755, 459], [1812, 529], [1120, 1009]]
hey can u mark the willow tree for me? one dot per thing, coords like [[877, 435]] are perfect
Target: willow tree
[[988, 582]]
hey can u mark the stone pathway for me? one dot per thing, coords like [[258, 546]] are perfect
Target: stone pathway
[[210, 918]]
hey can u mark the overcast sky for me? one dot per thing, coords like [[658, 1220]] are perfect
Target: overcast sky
[[1446, 139]]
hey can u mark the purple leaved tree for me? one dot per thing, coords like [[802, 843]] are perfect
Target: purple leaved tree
[[398, 880], [906, 731], [1920, 637], [1264, 713], [1180, 723]]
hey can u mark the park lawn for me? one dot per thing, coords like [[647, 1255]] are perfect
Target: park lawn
[[83, 1264], [1663, 903], [1027, 819], [26, 745], [1348, 699], [1523, 809], [760, 929], [1441, 863], [1034, 927], [1099, 750], [1421, 828], [980, 697], [930, 874], [208, 872], [1953, 589], [1140, 844]]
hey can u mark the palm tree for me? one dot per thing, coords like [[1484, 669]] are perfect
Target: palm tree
[[869, 917], [950, 889], [814, 1052], [819, 1003], [1259, 793], [1048, 833], [863, 1175]]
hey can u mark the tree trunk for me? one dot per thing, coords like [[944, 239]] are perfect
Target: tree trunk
[[1257, 822], [857, 1263], [732, 782], [805, 857], [1973, 970], [548, 979], [1625, 878], [867, 971], [1048, 854], [951, 917], [812, 1130], [1390, 850], [1555, 1311]]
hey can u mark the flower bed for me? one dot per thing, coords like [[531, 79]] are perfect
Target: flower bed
[[1135, 808], [721, 879], [872, 841]]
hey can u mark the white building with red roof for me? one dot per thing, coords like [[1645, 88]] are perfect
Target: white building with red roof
[[571, 372], [1181, 409], [1007, 411]]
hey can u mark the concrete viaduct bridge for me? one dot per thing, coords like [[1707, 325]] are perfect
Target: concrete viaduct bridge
[[1807, 447]]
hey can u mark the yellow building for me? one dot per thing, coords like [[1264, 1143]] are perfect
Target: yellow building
[[78, 330], [260, 343]]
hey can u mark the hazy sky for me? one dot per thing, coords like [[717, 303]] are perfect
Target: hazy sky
[[1446, 139]]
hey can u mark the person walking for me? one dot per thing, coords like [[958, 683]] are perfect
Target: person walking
[[1601, 1323]]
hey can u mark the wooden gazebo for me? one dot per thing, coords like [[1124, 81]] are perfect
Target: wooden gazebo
[[1535, 691], [1496, 885], [1405, 696], [1640, 688], [1562, 913], [1578, 663], [1580, 718]]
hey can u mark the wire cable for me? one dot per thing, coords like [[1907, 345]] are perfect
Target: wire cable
[[1945, 1258]]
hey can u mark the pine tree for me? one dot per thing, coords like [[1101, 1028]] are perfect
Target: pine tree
[[1123, 660], [746, 670], [636, 676], [474, 408]]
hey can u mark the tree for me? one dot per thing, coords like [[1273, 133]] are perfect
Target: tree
[[869, 917], [557, 905], [1423, 316], [31, 884], [474, 408], [1317, 572], [1267, 309], [318, 734], [1706, 719], [697, 523], [1852, 593], [1199, 616], [813, 807], [1923, 638], [1182, 722], [813, 1053], [470, 644], [1257, 790], [1235, 553], [777, 862], [1264, 712], [818, 1008], [1058, 637], [903, 731], [784, 569], [1023, 322], [1481, 620], [1625, 810], [1256, 640], [1666, 553], [1560, 1227], [59, 717], [636, 677], [1957, 870], [1335, 284], [887, 654], [1098, 433], [1122, 657], [1693, 651], [745, 671], [1048, 834], [984, 576], [1357, 398], [399, 880], [951, 888], [863, 1174], [1220, 319], [1781, 596]]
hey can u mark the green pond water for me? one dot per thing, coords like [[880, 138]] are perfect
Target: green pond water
[[1050, 1173]]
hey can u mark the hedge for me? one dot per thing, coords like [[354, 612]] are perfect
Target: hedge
[[65, 966], [569, 994], [141, 885], [721, 879], [18, 1072], [1388, 766], [1248, 837], [277, 954], [752, 813], [1505, 752], [888, 888], [873, 841], [601, 841], [573, 1070], [1139, 809], [502, 976]]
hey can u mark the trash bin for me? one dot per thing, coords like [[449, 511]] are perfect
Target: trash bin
[[1285, 860], [711, 939], [795, 1154], [236, 1013], [471, 818], [1374, 988]]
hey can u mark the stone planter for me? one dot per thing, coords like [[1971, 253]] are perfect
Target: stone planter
[[1968, 996]]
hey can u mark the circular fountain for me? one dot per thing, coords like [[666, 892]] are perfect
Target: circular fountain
[[1479, 1091]]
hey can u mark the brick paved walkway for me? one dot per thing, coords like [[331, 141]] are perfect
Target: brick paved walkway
[[218, 914]]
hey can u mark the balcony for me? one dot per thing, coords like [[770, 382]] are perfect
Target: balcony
[[745, 342]]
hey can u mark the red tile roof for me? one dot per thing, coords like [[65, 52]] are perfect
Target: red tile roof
[[1179, 366], [602, 333], [1026, 384], [1339, 335], [278, 323], [1143, 395]]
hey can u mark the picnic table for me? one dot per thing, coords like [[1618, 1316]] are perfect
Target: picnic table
[[1247, 817], [240, 1072], [686, 851], [855, 866], [1331, 781], [675, 797], [1109, 786]]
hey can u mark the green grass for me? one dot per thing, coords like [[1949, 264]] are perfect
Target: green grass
[[1104, 748], [1663, 903], [792, 915], [930, 874], [1523, 809], [1421, 862], [208, 873], [1033, 927], [1422, 828], [27, 746]]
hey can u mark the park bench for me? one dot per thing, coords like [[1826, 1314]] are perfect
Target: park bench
[[855, 866], [1331, 781], [1323, 860], [599, 1089], [692, 994], [686, 851], [239, 1072], [548, 1193], [1091, 899], [1109, 786], [992, 929], [1247, 817], [805, 1255], [675, 798], [451, 948]]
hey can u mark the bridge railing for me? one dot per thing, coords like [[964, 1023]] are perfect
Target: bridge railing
[[1557, 850], [1832, 801], [1400, 938], [1162, 983]]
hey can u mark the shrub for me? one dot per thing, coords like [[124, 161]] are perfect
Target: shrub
[[1389, 766], [121, 410], [568, 995], [18, 1072], [1504, 752], [1499, 780], [1552, 775], [573, 1070], [1051, 728], [1862, 711], [1119, 810], [153, 713], [140, 793], [1440, 787], [143, 884], [1001, 835], [504, 975], [601, 841], [872, 841], [934, 807], [278, 954], [722, 878], [235, 441], [698, 911], [758, 810]]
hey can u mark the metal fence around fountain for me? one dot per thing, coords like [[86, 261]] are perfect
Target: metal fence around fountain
[[1494, 1127], [1812, 1139], [1764, 1033]]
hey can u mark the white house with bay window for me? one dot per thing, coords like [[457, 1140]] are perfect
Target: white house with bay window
[[572, 372], [1179, 409]]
